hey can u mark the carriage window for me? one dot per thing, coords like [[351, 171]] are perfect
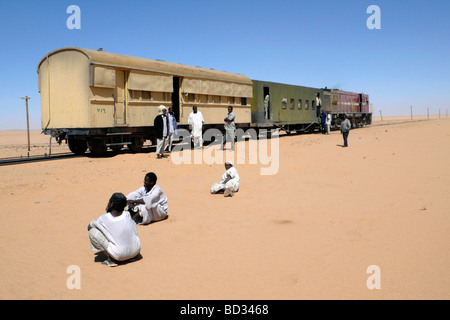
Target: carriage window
[[135, 95], [307, 105], [299, 104], [313, 107], [243, 101], [146, 95], [161, 96], [138, 95], [292, 104], [283, 103], [191, 97]]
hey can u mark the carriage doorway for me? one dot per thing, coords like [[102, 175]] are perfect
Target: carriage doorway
[[176, 98], [266, 99]]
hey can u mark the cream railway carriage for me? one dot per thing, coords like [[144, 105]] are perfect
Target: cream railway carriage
[[97, 100]]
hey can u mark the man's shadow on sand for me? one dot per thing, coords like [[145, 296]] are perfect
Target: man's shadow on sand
[[102, 256], [138, 219]]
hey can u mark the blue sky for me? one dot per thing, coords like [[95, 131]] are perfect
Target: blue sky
[[312, 43]]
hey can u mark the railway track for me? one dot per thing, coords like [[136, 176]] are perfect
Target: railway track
[[18, 160], [66, 155]]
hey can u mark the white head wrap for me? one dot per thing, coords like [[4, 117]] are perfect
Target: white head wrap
[[161, 108]]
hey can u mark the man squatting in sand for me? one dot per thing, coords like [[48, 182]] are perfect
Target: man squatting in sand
[[149, 202], [115, 233]]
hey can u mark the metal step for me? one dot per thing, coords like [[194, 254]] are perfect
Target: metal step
[[118, 133], [117, 144]]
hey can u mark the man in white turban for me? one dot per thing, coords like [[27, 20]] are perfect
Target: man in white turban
[[229, 183], [161, 125]]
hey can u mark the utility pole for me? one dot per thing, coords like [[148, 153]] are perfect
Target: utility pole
[[26, 98], [428, 113], [381, 116], [411, 113]]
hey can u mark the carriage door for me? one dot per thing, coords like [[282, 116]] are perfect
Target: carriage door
[[360, 102], [120, 99]]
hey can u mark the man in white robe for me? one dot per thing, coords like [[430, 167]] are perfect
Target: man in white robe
[[266, 107], [318, 104], [149, 201], [328, 122], [115, 233], [229, 183], [196, 122]]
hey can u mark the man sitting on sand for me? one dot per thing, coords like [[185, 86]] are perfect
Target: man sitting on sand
[[229, 183], [149, 202], [115, 233]]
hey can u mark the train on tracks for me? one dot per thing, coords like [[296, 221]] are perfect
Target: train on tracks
[[96, 100]]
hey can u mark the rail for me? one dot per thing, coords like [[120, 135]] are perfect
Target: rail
[[45, 157]]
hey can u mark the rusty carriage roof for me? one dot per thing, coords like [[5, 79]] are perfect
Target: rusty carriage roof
[[158, 66]]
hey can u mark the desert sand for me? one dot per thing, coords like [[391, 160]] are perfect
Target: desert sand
[[308, 232]]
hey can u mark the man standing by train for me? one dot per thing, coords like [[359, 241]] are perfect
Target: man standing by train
[[162, 131], [328, 122], [173, 128], [318, 104], [196, 122], [323, 122], [230, 128], [345, 129]]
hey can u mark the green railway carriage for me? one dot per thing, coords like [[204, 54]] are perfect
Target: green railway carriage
[[289, 107]]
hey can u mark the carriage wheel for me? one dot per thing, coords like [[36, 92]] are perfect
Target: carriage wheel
[[77, 146], [136, 144], [97, 146]]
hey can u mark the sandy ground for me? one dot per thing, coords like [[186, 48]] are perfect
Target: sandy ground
[[309, 232]]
